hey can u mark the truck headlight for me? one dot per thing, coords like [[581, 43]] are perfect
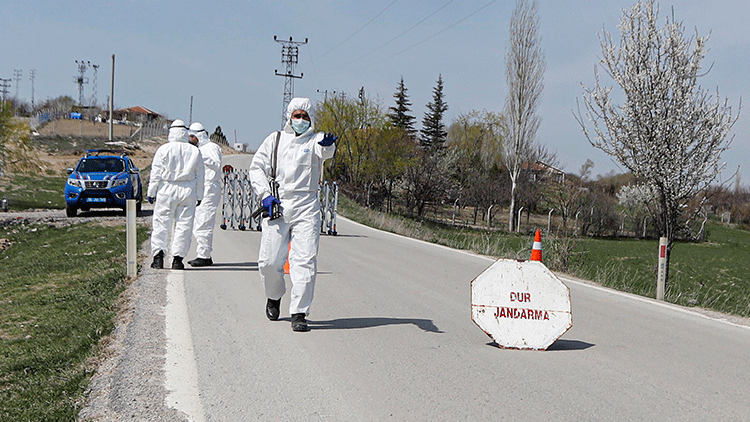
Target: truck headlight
[[75, 182], [119, 182]]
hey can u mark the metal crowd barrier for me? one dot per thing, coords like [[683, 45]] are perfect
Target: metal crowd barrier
[[329, 201], [238, 201]]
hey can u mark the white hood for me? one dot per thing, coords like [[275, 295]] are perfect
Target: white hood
[[299, 104], [178, 132]]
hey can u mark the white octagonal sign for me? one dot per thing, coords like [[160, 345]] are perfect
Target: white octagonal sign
[[521, 304]]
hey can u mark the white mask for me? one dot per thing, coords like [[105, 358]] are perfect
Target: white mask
[[300, 125]]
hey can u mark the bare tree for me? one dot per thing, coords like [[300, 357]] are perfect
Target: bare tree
[[524, 71], [669, 132]]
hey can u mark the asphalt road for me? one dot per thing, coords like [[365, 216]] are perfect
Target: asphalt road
[[392, 339]]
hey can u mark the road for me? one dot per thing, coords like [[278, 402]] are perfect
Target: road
[[392, 339]]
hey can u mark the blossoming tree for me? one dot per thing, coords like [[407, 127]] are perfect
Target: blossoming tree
[[669, 132]]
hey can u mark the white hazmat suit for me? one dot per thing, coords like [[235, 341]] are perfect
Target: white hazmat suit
[[176, 181], [299, 165], [205, 213]]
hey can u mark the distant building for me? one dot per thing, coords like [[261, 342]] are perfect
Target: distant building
[[540, 171], [240, 147], [137, 114]]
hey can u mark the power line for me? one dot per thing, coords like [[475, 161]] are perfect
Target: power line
[[401, 34], [357, 31], [414, 45], [443, 30]]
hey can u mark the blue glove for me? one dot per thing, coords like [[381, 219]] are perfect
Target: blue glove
[[150, 199], [268, 202], [328, 140]]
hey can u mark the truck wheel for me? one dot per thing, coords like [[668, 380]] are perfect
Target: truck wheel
[[71, 210]]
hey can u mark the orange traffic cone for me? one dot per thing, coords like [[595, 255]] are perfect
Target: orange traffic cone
[[536, 250], [286, 265]]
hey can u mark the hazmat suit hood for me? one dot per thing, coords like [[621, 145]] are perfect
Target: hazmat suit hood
[[299, 104], [178, 132], [199, 131]]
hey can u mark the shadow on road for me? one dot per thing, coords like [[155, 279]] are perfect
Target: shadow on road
[[559, 345], [562, 344], [228, 266], [367, 322]]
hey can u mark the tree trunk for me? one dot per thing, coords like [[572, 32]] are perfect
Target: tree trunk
[[512, 208]]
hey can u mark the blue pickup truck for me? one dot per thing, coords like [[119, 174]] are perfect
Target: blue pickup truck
[[102, 179]]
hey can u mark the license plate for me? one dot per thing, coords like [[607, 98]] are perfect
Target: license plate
[[96, 199]]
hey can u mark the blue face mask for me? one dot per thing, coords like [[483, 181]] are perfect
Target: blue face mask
[[300, 125]]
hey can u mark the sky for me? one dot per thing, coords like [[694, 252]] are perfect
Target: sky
[[223, 55]]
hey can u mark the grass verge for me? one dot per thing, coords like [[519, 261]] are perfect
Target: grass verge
[[711, 275], [34, 191], [59, 289]]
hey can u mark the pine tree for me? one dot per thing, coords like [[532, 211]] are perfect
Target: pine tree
[[399, 115], [433, 129]]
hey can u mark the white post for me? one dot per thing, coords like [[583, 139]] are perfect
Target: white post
[[453, 220], [489, 215], [518, 226], [661, 277], [132, 254], [549, 219]]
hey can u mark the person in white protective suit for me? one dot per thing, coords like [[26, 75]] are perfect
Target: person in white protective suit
[[300, 153], [176, 187], [205, 213]]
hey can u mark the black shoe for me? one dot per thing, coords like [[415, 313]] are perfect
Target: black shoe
[[272, 309], [158, 260], [299, 323], [177, 263], [201, 262]]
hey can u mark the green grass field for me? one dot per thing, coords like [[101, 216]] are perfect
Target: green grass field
[[58, 290], [34, 191], [714, 274]]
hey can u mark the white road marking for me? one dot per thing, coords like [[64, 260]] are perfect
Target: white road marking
[[180, 369]]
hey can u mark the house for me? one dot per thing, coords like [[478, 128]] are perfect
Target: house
[[138, 114], [540, 171]]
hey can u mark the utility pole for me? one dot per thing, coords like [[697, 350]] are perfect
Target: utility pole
[[17, 73], [191, 111], [325, 95], [362, 99], [93, 95], [111, 100], [32, 74], [81, 79], [289, 57], [4, 85]]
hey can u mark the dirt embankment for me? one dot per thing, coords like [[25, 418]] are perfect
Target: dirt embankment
[[65, 141]]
